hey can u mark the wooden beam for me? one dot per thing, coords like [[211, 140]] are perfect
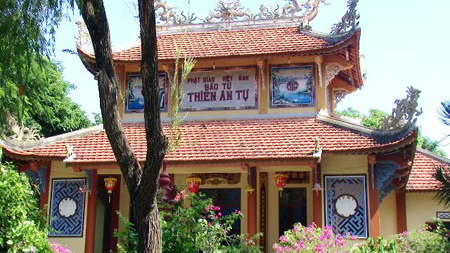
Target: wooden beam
[[251, 203]]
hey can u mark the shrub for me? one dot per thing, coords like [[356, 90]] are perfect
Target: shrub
[[23, 227], [199, 227], [418, 240], [310, 239]]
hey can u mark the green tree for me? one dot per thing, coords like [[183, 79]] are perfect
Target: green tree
[[374, 119], [50, 110], [27, 29]]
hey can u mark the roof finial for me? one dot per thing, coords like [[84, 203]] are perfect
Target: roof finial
[[405, 111], [349, 20]]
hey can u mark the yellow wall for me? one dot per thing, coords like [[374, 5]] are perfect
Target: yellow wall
[[59, 170], [388, 215], [263, 86], [421, 208]]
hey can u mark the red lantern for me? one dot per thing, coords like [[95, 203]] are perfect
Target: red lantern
[[193, 183], [110, 184], [280, 180]]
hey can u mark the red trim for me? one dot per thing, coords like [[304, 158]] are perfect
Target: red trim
[[251, 205], [401, 212], [91, 215]]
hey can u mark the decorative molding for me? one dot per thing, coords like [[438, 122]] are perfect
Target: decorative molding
[[169, 17], [346, 217], [319, 61], [263, 200], [338, 95], [331, 70], [220, 178], [67, 208], [349, 21], [232, 10]]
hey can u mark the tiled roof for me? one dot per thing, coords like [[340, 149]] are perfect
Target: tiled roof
[[219, 141], [424, 166], [222, 43]]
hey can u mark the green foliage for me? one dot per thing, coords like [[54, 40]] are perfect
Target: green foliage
[[23, 226], [45, 102], [443, 195], [199, 227], [176, 97], [97, 119], [429, 144], [27, 30], [374, 119], [350, 112], [128, 238], [418, 240]]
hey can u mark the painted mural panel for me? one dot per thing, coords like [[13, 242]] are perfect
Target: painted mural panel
[[346, 205], [292, 86], [221, 89], [135, 99], [67, 208]]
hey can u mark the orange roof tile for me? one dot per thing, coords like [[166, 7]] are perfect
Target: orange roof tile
[[421, 176], [219, 141], [222, 43]]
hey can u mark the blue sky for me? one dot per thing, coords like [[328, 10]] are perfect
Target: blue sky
[[405, 42]]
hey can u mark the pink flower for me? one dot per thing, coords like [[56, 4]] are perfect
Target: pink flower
[[183, 194], [177, 197], [219, 214], [217, 208]]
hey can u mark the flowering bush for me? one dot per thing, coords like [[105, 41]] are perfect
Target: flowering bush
[[58, 248], [310, 239], [418, 240], [201, 227]]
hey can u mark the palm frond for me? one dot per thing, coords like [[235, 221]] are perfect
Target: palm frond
[[444, 112], [442, 175]]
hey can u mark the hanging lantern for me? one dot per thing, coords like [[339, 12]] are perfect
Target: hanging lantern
[[193, 183], [110, 184], [280, 180]]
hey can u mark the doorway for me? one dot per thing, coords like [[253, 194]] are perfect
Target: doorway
[[292, 208]]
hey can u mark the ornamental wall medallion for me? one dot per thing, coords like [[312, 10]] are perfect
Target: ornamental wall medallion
[[67, 208], [346, 205], [220, 178]]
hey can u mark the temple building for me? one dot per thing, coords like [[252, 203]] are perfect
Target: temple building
[[259, 117]]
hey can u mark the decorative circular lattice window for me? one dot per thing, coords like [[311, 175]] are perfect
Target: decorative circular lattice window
[[346, 206], [67, 207]]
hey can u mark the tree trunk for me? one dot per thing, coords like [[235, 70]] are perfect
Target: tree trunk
[[141, 182]]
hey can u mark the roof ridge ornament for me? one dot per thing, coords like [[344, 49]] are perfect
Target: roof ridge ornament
[[349, 21], [232, 10], [405, 111]]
